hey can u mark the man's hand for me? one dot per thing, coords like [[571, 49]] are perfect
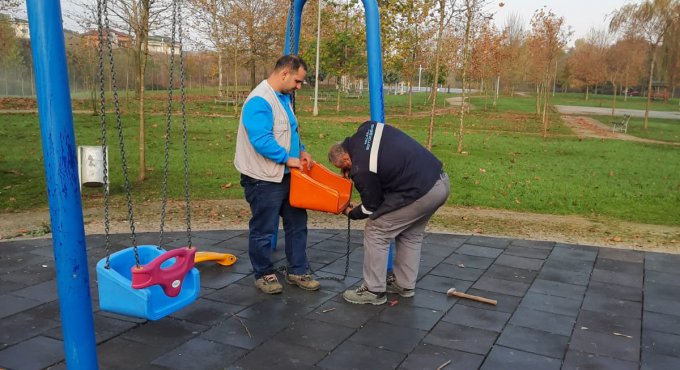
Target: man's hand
[[306, 160], [293, 163], [348, 209]]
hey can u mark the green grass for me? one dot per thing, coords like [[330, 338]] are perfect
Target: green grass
[[658, 129], [508, 165], [605, 101]]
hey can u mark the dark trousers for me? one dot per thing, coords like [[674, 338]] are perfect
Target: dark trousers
[[268, 201]]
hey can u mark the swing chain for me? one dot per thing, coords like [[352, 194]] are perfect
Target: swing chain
[[171, 87], [291, 35], [102, 119], [119, 125], [187, 197]]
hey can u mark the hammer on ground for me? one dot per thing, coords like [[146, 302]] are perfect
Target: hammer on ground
[[453, 293]]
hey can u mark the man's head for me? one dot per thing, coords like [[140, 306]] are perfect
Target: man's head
[[340, 158], [289, 74]]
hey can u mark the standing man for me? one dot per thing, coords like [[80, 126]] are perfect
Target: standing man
[[401, 185], [267, 146]]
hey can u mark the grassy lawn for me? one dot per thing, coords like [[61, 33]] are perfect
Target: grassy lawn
[[605, 101], [508, 164], [658, 129]]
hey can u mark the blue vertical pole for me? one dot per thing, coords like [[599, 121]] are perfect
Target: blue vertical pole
[[59, 153], [375, 66]]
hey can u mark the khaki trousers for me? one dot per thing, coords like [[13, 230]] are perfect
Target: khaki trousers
[[406, 226]]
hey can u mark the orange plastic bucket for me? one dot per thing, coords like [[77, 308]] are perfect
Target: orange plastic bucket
[[319, 189]]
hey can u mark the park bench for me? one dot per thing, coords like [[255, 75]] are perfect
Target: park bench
[[622, 125]]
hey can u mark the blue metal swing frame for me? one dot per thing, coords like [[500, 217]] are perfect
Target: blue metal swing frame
[[59, 154]]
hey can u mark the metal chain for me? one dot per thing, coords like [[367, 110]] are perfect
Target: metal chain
[[119, 126], [102, 119], [344, 276], [187, 196], [168, 126], [291, 34]]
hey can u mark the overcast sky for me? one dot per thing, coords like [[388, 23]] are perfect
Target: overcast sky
[[580, 15]]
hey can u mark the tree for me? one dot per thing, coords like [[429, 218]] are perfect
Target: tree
[[9, 5], [209, 18], [546, 41], [651, 20], [587, 61]]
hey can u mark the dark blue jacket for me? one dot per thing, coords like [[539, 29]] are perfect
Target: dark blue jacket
[[390, 170]]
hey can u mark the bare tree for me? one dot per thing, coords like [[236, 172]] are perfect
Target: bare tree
[[651, 20]]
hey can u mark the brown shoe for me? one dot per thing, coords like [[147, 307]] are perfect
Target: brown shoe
[[269, 284], [306, 281]]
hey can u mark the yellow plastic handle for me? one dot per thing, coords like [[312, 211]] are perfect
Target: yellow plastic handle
[[224, 259]]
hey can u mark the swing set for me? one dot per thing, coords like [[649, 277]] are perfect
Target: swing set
[[154, 282]]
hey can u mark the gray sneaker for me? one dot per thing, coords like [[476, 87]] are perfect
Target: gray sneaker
[[393, 287], [269, 284], [362, 295]]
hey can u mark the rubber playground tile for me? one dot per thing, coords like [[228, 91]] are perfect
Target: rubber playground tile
[[278, 309], [410, 316], [280, 355], [383, 335], [337, 245], [42, 292], [527, 252], [207, 312], [429, 356], [518, 262], [512, 359], [601, 303], [469, 261], [351, 355], [24, 325], [323, 256], [339, 312], [442, 249], [502, 286], [661, 343], [658, 291], [11, 286], [633, 268], [442, 284], [479, 251], [609, 323], [656, 277], [558, 289], [605, 344], [241, 294], [620, 278], [12, 304], [615, 291], [667, 306], [655, 361], [618, 254], [505, 303], [564, 276], [119, 353], [460, 337], [456, 272], [355, 268], [486, 241], [497, 271], [243, 333], [35, 353], [477, 318], [661, 322], [662, 262], [199, 354], [163, 333], [574, 252], [545, 321], [534, 341], [536, 244], [579, 360], [573, 265], [445, 239], [553, 304], [315, 334], [33, 274], [215, 276]]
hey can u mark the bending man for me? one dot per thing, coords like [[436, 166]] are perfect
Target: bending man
[[401, 185]]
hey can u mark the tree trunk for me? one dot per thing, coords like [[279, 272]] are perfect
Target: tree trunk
[[649, 88], [440, 31], [143, 52], [498, 86], [587, 91], [220, 86], [461, 127]]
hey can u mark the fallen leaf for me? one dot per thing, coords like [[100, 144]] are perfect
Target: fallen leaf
[[226, 186], [482, 170]]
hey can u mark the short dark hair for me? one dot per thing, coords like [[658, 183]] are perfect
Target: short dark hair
[[293, 62]]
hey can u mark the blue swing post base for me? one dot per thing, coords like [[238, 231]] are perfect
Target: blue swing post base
[[117, 295]]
